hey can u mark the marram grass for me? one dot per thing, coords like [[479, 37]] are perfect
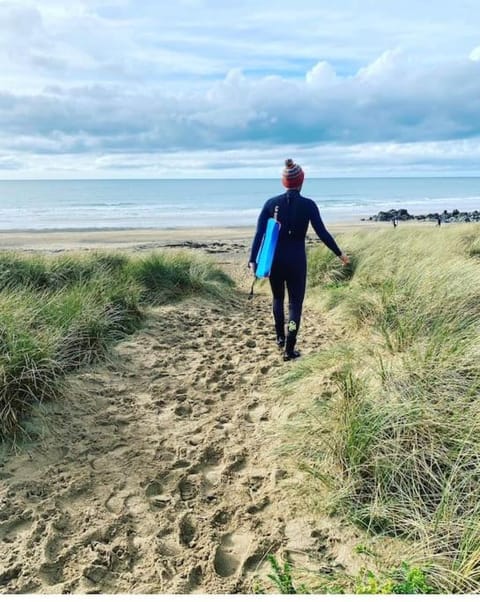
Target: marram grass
[[59, 314], [394, 436]]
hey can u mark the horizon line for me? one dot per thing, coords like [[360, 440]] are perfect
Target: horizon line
[[160, 179]]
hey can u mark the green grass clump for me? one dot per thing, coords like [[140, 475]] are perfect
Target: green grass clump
[[168, 277], [40, 273], [405, 579], [399, 443], [281, 576], [59, 314]]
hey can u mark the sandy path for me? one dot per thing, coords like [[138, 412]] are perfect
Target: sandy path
[[156, 475]]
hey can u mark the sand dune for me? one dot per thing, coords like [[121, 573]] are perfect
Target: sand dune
[[157, 473]]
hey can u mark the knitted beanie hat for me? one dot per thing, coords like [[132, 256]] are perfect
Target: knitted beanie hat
[[292, 175]]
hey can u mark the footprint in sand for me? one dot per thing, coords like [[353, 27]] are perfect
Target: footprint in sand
[[153, 493], [221, 519], [210, 467], [16, 526], [110, 458], [231, 552], [165, 455], [257, 412], [153, 489], [52, 572], [180, 394], [187, 530], [115, 501], [195, 578], [183, 410], [258, 506], [134, 504], [188, 489], [52, 546], [237, 464]]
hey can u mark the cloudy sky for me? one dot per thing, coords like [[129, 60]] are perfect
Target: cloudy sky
[[209, 88]]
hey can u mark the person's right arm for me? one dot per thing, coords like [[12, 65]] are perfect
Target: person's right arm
[[259, 234]]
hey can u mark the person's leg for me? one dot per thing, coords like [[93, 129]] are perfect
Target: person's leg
[[277, 284], [296, 283]]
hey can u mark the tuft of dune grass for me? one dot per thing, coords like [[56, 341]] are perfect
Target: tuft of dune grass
[[171, 276]]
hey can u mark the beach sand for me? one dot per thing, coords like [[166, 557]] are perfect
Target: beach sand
[[59, 240], [157, 472], [213, 240]]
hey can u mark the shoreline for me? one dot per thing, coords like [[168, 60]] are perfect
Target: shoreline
[[231, 239], [136, 238]]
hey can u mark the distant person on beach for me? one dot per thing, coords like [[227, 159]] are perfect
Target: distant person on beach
[[439, 221], [394, 222], [289, 267]]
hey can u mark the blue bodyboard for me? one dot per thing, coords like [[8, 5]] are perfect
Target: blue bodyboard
[[267, 249]]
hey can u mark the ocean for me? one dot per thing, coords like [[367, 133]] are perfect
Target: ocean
[[122, 204]]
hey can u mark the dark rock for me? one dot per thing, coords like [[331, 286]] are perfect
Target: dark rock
[[455, 216]]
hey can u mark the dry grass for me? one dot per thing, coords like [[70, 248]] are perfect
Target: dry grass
[[394, 435]]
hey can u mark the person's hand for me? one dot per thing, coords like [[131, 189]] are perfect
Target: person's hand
[[344, 259], [253, 266]]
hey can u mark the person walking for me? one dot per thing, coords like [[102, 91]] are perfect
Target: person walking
[[294, 213]]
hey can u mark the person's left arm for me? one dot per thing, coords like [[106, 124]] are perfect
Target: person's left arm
[[323, 234]]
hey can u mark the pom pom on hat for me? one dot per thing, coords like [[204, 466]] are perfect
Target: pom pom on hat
[[292, 175]]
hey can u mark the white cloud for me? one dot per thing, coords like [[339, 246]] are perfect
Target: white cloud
[[117, 78], [327, 160], [323, 74], [475, 54], [390, 99], [389, 65]]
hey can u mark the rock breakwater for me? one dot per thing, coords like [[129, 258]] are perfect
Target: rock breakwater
[[445, 216]]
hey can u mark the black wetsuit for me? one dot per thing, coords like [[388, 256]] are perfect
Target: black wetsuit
[[289, 267]]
